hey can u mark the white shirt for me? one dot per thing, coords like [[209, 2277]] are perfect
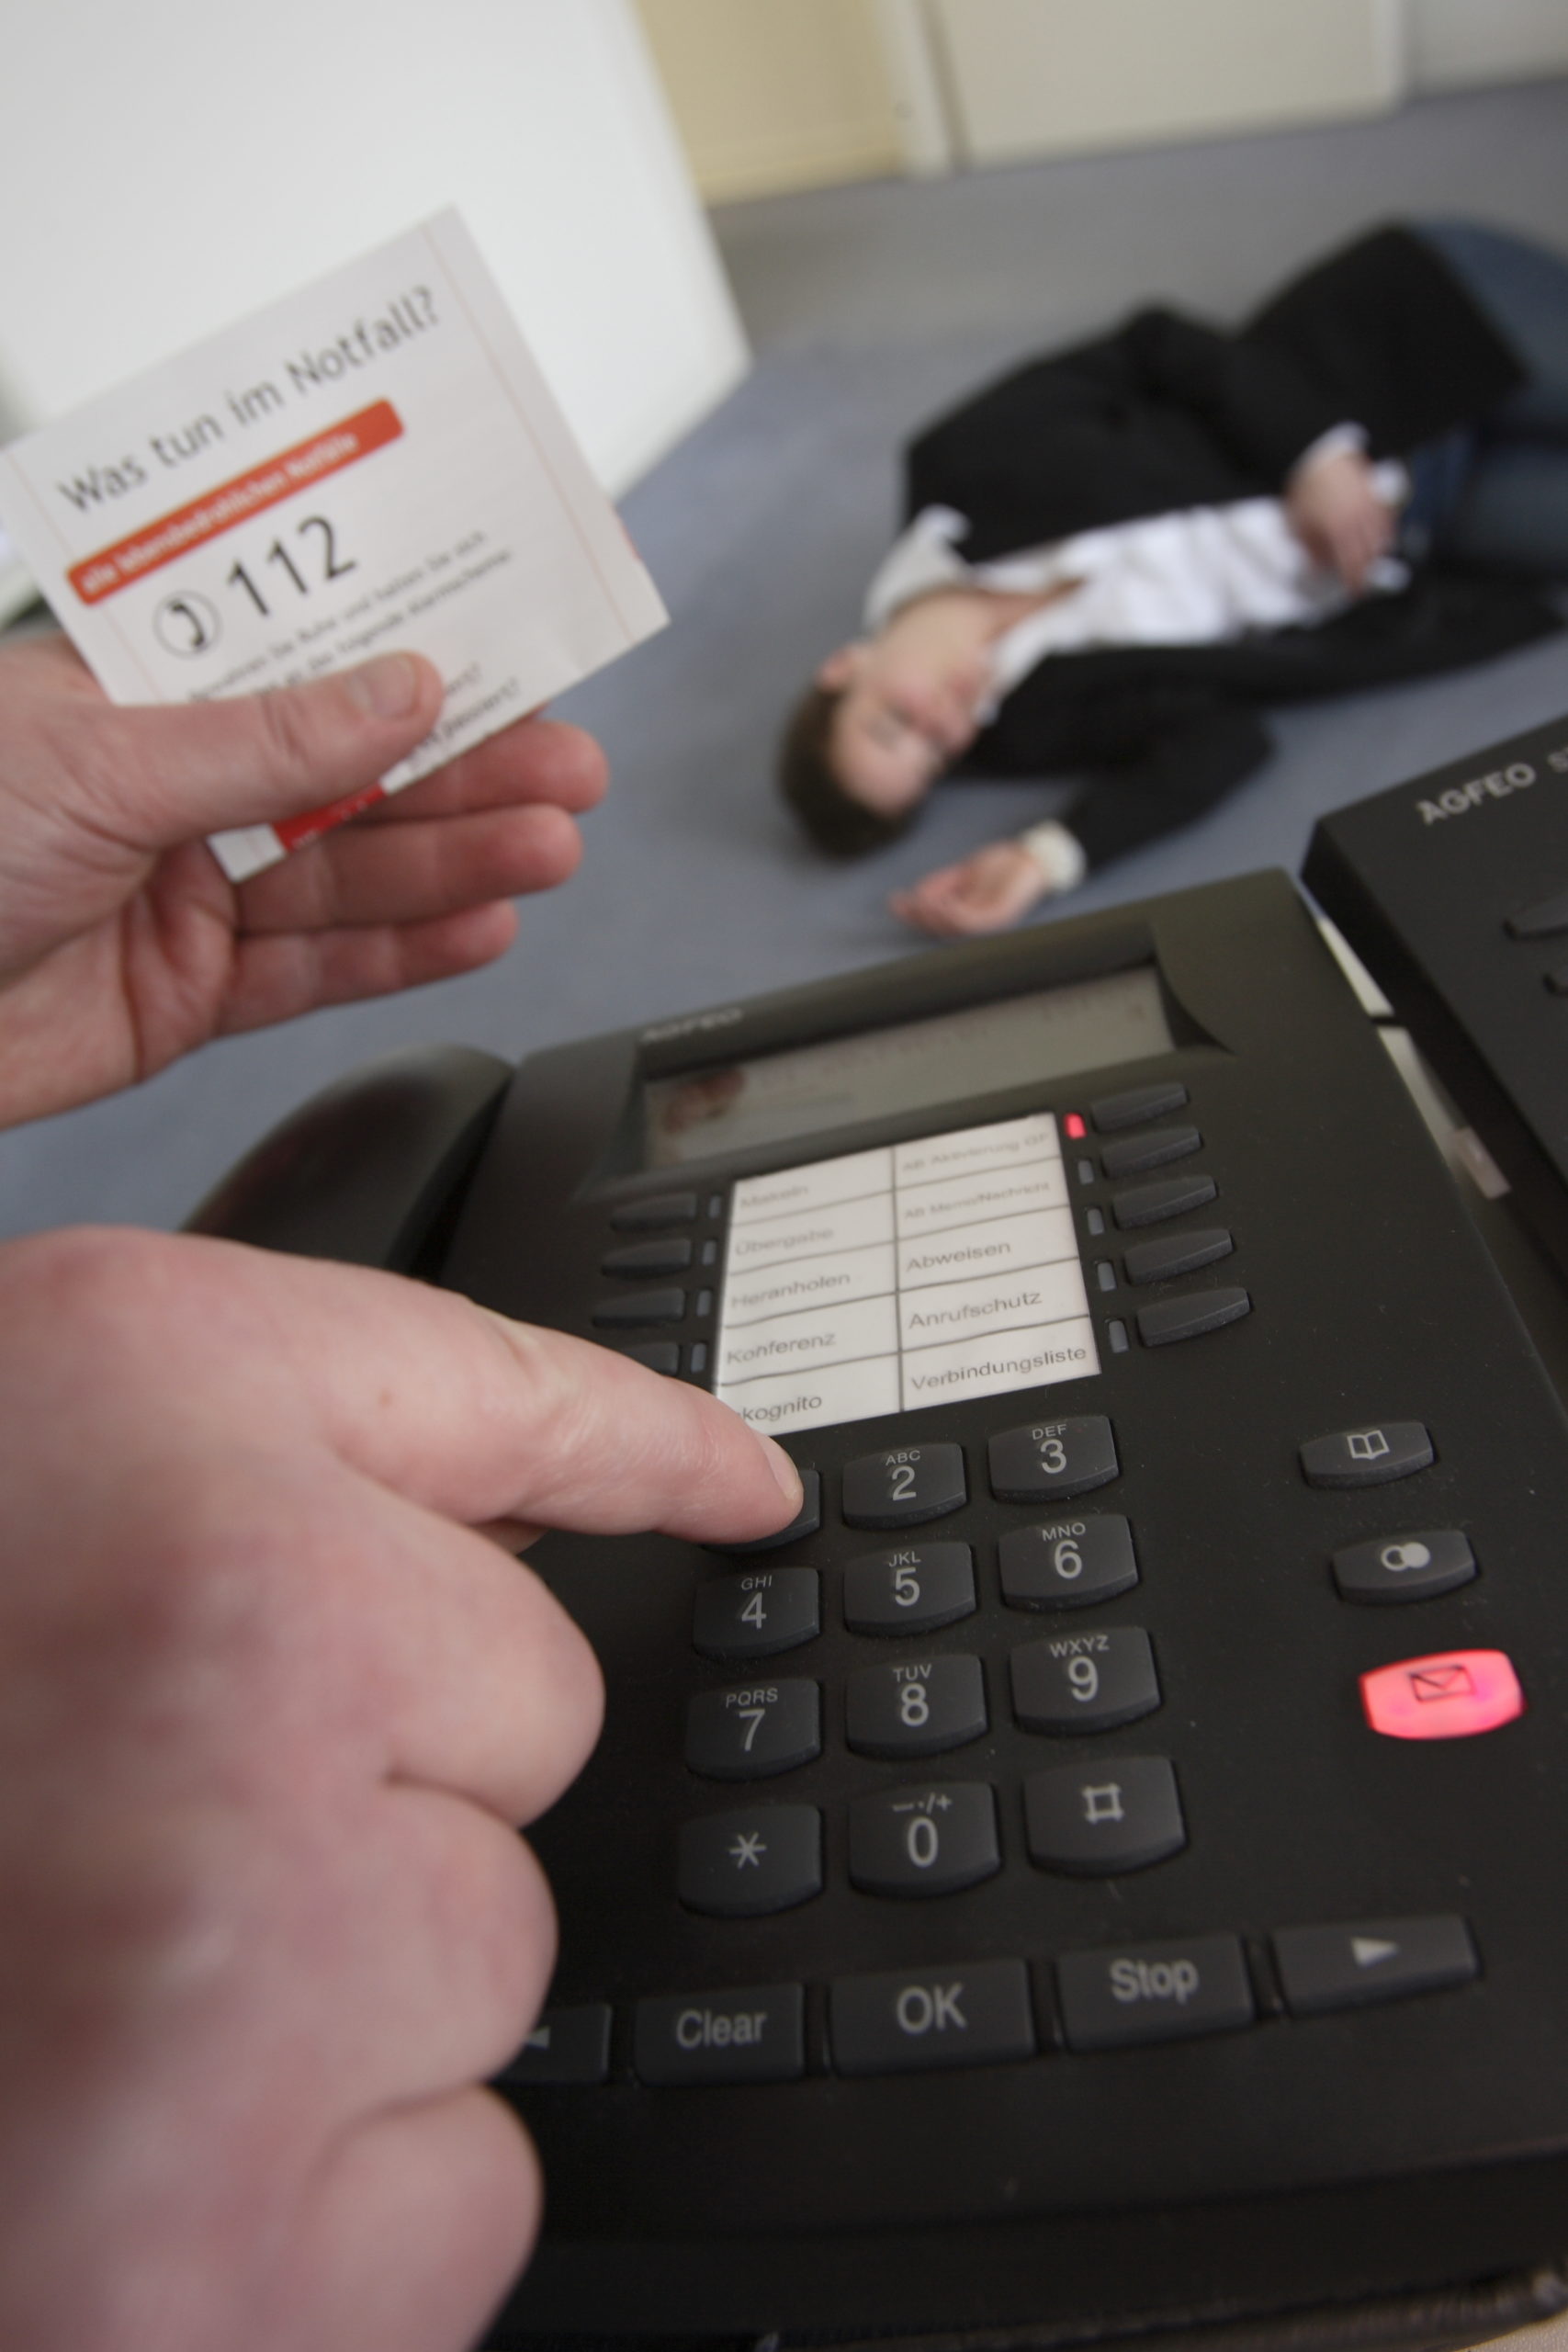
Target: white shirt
[[1200, 576]]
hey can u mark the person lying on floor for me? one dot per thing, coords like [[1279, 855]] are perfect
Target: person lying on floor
[[1116, 554]]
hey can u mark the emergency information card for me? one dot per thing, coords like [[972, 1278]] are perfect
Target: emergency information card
[[374, 464]]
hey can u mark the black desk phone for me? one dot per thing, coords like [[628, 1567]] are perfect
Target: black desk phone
[[1453, 891], [1103, 1871]]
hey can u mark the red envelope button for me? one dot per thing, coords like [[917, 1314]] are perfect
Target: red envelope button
[[1446, 1697]]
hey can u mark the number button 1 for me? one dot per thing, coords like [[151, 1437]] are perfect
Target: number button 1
[[1052, 1458], [924, 1841], [913, 1588], [904, 1485]]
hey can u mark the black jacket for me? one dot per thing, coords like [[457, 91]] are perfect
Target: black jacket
[[1168, 413]]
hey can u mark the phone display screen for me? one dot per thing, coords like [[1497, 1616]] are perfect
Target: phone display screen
[[811, 1090]]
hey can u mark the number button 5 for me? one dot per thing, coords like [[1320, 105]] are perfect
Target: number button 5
[[913, 1588]]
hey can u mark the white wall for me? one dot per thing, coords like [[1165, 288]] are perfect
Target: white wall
[[166, 165], [1454, 43]]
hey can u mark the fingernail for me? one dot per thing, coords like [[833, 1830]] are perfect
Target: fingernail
[[388, 687], [784, 1471]]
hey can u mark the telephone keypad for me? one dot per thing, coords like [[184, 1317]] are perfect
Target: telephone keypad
[[1045, 1458], [753, 1732], [1067, 1563], [916, 1708], [757, 1614], [1085, 1682], [903, 1485], [910, 1589], [1108, 1815], [923, 1841], [743, 1864]]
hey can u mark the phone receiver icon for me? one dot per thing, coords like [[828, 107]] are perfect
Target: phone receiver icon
[[1397, 1557]]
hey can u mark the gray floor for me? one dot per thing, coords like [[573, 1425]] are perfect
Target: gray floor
[[870, 307]]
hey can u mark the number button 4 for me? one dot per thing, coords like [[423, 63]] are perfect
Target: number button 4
[[757, 1614]]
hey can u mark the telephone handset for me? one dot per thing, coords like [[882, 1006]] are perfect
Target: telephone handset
[[1094, 1871]]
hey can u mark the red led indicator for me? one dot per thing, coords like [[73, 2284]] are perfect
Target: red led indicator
[[1073, 1127]]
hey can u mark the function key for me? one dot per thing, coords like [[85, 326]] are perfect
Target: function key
[[1154, 1992], [754, 2034], [747, 1734], [1067, 1563], [636, 1308], [915, 1710], [1404, 1567], [743, 1865], [1189, 1317], [566, 2046], [1176, 1253], [912, 1589], [654, 1211], [1115, 1814], [807, 1521], [1171, 1196], [975, 2015], [1452, 1695], [1136, 1103], [1082, 1682], [1546, 919], [1372, 1960], [1134, 1153], [670, 1256], [906, 1484], [659, 1355], [1368, 1457], [1052, 1458], [924, 1841], [758, 1614]]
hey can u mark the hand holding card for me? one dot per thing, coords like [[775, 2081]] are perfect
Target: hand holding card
[[373, 463]]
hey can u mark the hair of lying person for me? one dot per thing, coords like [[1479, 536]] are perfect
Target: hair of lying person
[[835, 821]]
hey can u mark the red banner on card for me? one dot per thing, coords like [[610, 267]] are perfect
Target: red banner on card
[[219, 510]]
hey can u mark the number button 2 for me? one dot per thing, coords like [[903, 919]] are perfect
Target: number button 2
[[904, 1485]]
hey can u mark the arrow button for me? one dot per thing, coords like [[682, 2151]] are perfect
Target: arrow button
[[1372, 1960]]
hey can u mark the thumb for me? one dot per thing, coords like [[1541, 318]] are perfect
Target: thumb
[[182, 770]]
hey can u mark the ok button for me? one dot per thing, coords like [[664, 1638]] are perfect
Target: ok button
[[943, 2017]]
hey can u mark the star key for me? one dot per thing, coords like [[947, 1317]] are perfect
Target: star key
[[758, 1859]]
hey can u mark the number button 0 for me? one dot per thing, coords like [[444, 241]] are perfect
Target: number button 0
[[916, 1710], [924, 1841], [913, 1588], [906, 1484], [1052, 1458], [1067, 1563], [747, 1734]]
